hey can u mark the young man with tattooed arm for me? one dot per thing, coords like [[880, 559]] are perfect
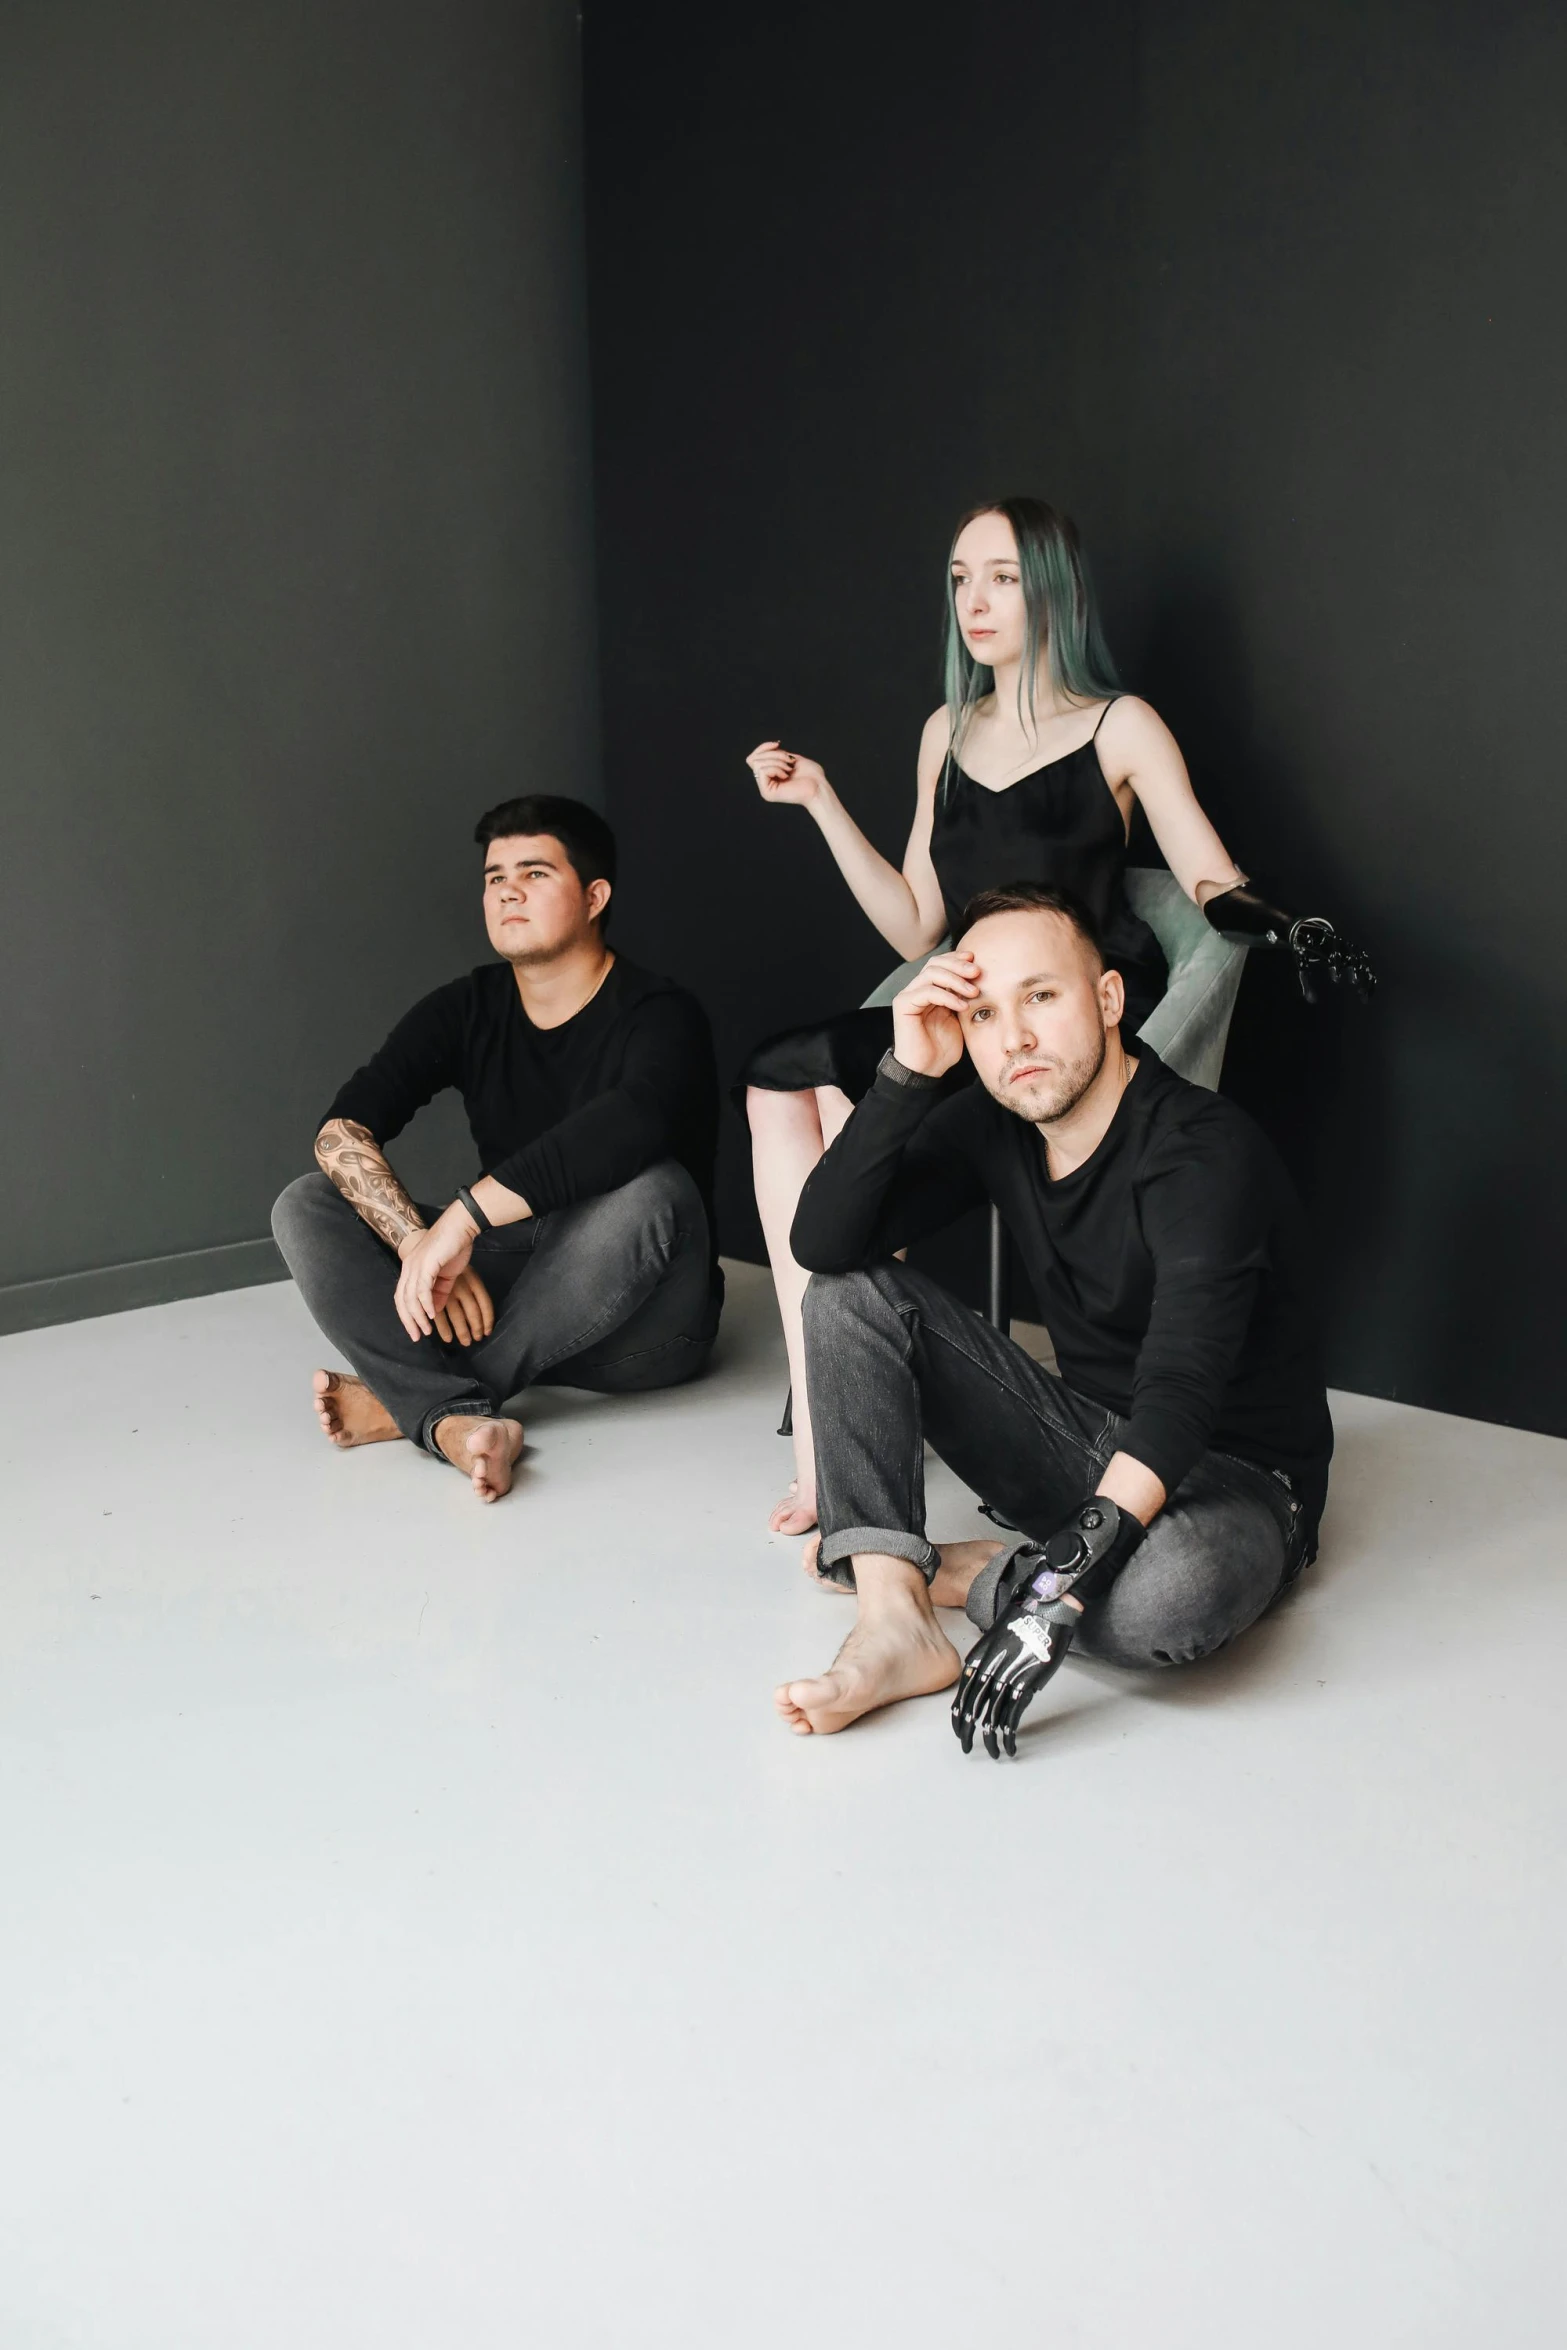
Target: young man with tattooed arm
[[583, 1253]]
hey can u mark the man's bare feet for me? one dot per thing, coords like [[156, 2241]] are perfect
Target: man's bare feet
[[897, 1649], [795, 1514], [950, 1586], [349, 1414], [961, 1563], [486, 1451], [811, 1569]]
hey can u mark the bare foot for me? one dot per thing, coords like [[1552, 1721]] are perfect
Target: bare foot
[[811, 1569], [349, 1414], [900, 1653], [961, 1562], [485, 1450], [950, 1585], [795, 1514]]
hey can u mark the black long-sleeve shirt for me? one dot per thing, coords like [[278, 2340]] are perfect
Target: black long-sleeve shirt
[[1171, 1267], [556, 1114]]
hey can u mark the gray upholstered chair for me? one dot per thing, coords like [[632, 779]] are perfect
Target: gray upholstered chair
[[1190, 1024], [1187, 1028]]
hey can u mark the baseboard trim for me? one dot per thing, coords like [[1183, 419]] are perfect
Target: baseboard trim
[[151, 1281]]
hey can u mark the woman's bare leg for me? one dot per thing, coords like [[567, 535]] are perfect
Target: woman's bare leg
[[833, 1111], [789, 1132]]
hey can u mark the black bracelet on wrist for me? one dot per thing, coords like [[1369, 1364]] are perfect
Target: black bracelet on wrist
[[472, 1208], [890, 1067]]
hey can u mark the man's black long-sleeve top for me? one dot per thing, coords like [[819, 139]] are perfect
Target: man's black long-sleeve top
[[1170, 1267], [556, 1114]]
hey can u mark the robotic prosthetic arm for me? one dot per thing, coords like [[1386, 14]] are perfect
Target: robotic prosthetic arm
[[1321, 953], [1035, 1621]]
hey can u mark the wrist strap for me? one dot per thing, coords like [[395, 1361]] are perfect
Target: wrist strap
[[1098, 1535], [473, 1208], [912, 1080]]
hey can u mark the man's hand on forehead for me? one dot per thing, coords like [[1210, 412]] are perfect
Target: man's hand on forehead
[[958, 967], [927, 1025]]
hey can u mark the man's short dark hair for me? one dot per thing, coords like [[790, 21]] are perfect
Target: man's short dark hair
[[582, 832], [1034, 897]]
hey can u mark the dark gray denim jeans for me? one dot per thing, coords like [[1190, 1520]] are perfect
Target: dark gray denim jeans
[[612, 1294], [893, 1359]]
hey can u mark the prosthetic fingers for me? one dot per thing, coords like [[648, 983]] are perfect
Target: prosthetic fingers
[[1323, 956], [1035, 1621]]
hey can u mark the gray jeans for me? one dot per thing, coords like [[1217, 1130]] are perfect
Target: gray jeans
[[893, 1358], [614, 1294]]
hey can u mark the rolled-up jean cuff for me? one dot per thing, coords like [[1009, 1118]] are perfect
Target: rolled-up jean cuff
[[832, 1560], [467, 1407], [980, 1605]]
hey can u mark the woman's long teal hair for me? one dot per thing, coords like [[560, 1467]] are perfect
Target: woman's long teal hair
[[1061, 618]]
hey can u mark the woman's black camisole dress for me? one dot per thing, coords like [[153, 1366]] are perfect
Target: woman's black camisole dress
[[1058, 824]]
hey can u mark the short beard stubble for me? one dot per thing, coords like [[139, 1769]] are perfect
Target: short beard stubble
[[1071, 1083]]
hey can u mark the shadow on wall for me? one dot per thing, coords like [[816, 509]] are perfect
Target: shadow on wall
[[1478, 1182], [1423, 1131], [1316, 1077]]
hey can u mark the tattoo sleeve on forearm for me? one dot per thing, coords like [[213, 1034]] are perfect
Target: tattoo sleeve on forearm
[[350, 1157]]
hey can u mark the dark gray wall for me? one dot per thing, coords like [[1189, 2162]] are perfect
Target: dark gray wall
[[1268, 296], [294, 578]]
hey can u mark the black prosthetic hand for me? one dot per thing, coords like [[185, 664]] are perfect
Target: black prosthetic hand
[[1323, 956], [1034, 1624]]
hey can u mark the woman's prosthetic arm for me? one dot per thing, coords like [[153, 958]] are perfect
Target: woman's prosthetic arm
[[1035, 1621], [1322, 954]]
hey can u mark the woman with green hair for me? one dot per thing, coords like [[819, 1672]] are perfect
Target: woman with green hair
[[1030, 770]]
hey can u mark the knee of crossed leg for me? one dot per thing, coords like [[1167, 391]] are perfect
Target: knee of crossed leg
[[1143, 1629], [663, 1197], [833, 1299], [298, 1205], [1133, 1647]]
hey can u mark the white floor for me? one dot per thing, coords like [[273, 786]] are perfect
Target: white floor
[[417, 1932]]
